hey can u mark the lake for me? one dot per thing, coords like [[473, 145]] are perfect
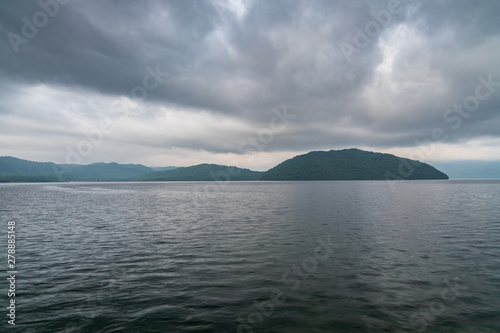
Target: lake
[[327, 256]]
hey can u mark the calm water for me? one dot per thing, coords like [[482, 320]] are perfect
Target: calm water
[[254, 256]]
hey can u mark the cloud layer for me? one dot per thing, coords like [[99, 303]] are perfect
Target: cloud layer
[[182, 82]]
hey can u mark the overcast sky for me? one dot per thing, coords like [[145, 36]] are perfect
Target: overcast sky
[[248, 83]]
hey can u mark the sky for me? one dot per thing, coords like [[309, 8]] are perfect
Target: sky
[[248, 83]]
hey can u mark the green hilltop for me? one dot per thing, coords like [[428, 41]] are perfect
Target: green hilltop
[[351, 164], [203, 172]]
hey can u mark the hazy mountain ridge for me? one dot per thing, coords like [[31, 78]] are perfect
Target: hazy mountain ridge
[[347, 164], [15, 169]]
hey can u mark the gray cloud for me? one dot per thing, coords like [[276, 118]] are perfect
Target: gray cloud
[[239, 60]]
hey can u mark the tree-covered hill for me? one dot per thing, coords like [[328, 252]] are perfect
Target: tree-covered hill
[[351, 164], [204, 172]]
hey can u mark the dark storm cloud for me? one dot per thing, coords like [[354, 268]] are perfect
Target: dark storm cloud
[[242, 61], [103, 46]]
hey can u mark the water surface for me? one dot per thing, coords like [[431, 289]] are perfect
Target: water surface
[[340, 256]]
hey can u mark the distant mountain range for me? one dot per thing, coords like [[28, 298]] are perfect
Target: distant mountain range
[[17, 170], [347, 164]]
